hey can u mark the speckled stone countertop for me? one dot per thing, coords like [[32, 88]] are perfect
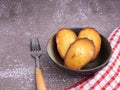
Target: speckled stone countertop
[[21, 20]]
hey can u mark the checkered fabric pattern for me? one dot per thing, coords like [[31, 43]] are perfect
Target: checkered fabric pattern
[[109, 77]]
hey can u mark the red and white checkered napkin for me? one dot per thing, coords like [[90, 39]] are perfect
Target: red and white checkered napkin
[[109, 77]]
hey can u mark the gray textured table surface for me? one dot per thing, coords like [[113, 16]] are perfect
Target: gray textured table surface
[[21, 20]]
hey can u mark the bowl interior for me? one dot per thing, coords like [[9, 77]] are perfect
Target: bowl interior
[[101, 60]]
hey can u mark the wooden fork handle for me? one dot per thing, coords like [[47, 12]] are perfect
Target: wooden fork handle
[[40, 82]]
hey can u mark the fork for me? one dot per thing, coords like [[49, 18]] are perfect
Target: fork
[[35, 51]]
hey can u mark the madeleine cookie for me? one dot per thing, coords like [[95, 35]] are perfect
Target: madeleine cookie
[[64, 38], [79, 53], [93, 35]]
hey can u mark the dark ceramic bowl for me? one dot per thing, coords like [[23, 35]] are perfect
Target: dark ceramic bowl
[[101, 60]]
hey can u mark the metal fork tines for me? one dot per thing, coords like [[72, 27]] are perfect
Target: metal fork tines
[[35, 50]]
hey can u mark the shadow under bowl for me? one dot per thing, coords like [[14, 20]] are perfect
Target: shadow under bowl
[[101, 60]]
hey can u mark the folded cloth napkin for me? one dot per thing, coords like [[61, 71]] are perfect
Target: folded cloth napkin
[[108, 78]]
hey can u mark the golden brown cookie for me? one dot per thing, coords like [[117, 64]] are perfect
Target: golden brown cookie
[[64, 38], [79, 53], [93, 35]]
